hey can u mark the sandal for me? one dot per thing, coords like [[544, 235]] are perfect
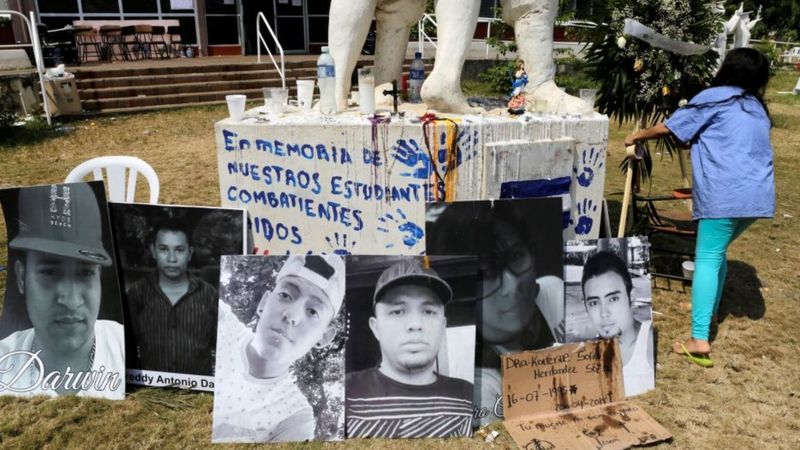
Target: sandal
[[700, 359]]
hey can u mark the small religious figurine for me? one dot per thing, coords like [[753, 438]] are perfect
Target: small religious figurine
[[516, 105]]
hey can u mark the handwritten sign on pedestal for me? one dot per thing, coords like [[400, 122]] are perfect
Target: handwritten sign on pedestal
[[572, 397], [348, 184]]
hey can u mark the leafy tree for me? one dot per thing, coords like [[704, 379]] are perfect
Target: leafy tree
[[644, 84]]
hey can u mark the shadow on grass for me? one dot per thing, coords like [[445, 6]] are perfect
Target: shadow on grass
[[742, 295], [172, 398], [31, 133]]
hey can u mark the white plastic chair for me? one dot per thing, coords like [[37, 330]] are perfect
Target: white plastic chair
[[115, 167]]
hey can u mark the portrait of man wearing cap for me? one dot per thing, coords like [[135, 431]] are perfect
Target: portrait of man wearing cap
[[405, 396], [57, 248], [521, 305], [256, 396]]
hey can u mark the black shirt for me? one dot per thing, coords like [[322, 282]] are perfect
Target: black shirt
[[180, 338]]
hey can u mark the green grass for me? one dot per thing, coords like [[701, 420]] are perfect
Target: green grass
[[784, 80]]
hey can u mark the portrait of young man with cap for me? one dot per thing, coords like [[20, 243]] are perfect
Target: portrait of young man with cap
[[405, 396], [255, 395], [173, 312], [57, 237]]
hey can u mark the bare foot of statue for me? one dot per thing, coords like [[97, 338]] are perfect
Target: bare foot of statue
[[554, 100], [445, 96], [692, 345]]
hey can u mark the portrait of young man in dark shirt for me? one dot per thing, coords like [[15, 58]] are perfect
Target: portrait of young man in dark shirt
[[173, 312]]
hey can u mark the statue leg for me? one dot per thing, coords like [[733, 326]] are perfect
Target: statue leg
[[533, 22], [394, 21], [456, 21], [347, 31]]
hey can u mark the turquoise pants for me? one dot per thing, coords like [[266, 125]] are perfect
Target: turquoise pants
[[710, 267]]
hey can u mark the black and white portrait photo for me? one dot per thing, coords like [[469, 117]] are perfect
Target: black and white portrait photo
[[410, 353], [521, 296], [61, 331], [169, 258], [280, 349], [608, 295]]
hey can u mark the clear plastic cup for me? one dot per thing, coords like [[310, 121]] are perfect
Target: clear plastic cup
[[236, 104], [275, 99], [588, 96], [305, 93]]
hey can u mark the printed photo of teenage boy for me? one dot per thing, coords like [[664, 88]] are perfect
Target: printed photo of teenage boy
[[280, 349]]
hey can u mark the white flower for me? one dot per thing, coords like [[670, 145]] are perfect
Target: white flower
[[621, 42], [682, 103], [677, 76]]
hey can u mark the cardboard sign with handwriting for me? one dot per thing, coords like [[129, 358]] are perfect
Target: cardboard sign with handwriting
[[572, 397]]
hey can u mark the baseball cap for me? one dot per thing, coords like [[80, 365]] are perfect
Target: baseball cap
[[63, 220], [410, 270], [325, 272]]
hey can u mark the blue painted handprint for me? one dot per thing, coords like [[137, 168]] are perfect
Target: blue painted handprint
[[340, 244], [585, 222], [408, 153], [411, 232], [589, 159], [466, 146]]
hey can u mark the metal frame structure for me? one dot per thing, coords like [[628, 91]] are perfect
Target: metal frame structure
[[35, 44], [260, 38]]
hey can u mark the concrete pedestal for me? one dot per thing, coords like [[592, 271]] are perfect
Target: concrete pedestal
[[344, 184]]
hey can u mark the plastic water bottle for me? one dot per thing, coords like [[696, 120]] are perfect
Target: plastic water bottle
[[416, 78], [326, 73]]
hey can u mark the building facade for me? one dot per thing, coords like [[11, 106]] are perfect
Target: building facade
[[214, 26]]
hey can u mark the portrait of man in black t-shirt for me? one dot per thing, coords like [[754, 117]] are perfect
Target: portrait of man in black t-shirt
[[405, 395], [170, 258]]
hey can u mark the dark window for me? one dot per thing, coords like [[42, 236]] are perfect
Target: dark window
[[222, 30], [290, 33], [166, 8], [287, 9], [188, 30], [58, 6], [219, 7], [139, 6], [318, 29], [487, 8], [100, 6], [319, 7], [55, 23]]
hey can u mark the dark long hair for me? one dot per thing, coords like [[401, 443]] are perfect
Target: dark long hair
[[748, 69]]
